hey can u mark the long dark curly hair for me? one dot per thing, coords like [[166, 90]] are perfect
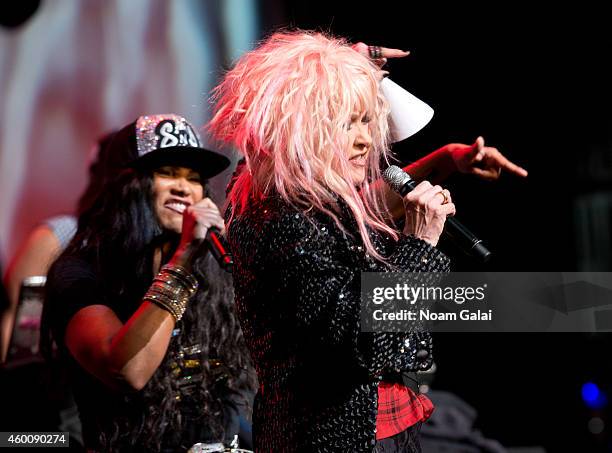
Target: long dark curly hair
[[118, 233]]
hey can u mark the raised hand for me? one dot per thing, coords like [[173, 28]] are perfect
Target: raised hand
[[385, 53], [483, 161]]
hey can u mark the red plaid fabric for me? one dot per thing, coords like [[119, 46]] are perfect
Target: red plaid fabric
[[399, 408]]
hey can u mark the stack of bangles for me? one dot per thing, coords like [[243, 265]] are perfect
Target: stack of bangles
[[171, 290]]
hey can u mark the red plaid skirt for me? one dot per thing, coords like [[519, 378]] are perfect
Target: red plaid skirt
[[399, 408]]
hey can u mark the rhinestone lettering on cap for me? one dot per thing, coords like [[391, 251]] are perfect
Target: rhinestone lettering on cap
[[163, 131]]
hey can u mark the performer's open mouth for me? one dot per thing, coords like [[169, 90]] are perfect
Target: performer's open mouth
[[177, 205]]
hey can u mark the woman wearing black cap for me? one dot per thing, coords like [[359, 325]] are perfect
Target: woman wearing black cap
[[142, 314]]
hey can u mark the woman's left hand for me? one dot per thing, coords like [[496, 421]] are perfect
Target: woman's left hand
[[480, 160], [385, 53]]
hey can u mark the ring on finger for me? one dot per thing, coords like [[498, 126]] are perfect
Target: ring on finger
[[375, 52], [443, 193]]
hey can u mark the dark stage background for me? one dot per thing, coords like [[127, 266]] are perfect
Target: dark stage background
[[535, 84]]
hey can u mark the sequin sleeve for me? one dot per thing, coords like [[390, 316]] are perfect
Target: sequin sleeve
[[321, 273], [410, 254]]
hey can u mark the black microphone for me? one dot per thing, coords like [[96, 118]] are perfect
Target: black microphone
[[216, 246], [401, 182]]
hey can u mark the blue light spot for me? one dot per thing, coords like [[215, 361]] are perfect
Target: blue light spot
[[590, 392], [593, 397]]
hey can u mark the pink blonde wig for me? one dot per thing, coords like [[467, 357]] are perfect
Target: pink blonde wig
[[286, 106]]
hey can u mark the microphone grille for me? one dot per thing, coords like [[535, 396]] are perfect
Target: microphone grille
[[395, 177]]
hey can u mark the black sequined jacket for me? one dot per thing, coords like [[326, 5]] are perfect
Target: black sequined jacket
[[297, 286]]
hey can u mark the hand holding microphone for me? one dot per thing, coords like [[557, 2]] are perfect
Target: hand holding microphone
[[427, 208], [202, 222], [429, 202]]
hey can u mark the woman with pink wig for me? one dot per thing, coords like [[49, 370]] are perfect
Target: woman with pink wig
[[303, 222]]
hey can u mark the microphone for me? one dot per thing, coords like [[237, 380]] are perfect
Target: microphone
[[401, 182], [216, 246]]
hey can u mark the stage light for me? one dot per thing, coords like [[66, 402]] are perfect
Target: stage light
[[593, 397], [596, 425]]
